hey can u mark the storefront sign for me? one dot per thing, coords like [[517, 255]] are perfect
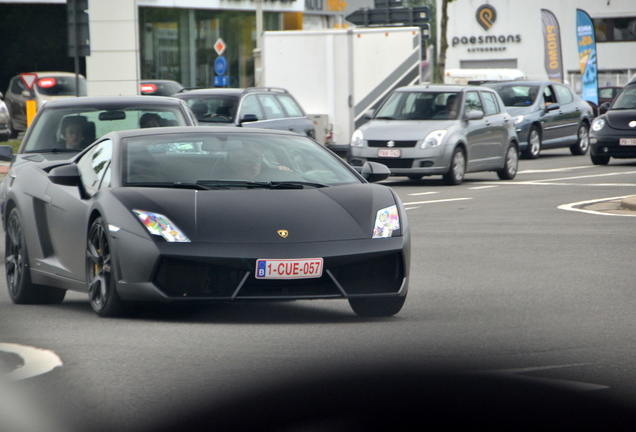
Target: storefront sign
[[325, 5], [486, 16]]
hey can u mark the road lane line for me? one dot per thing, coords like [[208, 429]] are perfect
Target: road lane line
[[423, 193], [436, 201], [37, 361], [483, 187], [588, 176], [537, 171]]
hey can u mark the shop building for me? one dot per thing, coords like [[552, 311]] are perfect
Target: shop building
[[510, 34]]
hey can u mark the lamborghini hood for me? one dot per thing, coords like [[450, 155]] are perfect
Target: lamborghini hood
[[257, 215]]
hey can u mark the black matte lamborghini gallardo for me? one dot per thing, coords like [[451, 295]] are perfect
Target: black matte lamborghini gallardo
[[191, 214]]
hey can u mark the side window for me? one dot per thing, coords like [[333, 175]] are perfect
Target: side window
[[94, 164], [273, 110], [17, 86], [548, 95], [565, 96], [473, 103], [290, 105], [250, 106], [490, 104]]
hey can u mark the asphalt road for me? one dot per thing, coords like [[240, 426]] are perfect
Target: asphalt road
[[528, 278]]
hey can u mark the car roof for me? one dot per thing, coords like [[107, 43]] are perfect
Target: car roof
[[112, 101], [50, 73], [212, 91], [181, 130], [438, 88]]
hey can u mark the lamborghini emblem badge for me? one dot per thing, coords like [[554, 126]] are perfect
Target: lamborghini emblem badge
[[283, 233]]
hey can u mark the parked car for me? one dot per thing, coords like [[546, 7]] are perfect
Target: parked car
[[133, 217], [607, 94], [5, 120], [547, 115], [268, 108], [47, 86], [159, 87], [613, 134], [439, 130]]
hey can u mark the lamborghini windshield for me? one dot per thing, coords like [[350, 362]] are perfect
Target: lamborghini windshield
[[218, 160]]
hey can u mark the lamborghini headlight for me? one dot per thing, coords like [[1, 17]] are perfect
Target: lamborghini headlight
[[158, 224], [387, 220]]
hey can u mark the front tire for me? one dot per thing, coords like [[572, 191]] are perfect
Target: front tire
[[377, 306], [583, 144], [21, 289], [457, 170], [534, 144], [509, 171], [100, 273], [600, 160]]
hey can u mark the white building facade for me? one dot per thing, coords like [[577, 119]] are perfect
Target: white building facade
[[510, 34]]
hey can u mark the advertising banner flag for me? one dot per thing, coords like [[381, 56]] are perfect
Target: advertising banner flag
[[552, 45], [587, 56]]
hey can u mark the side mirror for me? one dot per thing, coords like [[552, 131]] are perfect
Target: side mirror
[[6, 153], [26, 94], [368, 114], [1, 96], [605, 106], [248, 118], [475, 115], [65, 175], [375, 172], [553, 106]]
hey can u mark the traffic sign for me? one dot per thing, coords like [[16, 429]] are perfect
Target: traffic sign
[[221, 81], [28, 79], [219, 46], [220, 65]]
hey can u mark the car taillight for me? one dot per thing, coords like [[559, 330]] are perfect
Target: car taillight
[[148, 88], [47, 82]]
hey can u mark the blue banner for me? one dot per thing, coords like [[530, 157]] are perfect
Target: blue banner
[[587, 56]]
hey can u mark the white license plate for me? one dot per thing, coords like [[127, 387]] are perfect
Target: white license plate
[[627, 141], [389, 153], [288, 268]]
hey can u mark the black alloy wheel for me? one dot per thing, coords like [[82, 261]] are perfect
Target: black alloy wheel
[[21, 289], [100, 277]]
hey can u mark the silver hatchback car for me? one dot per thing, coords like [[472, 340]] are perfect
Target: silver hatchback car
[[439, 130]]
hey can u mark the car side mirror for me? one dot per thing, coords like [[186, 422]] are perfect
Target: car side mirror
[[552, 107], [248, 118], [369, 114], [26, 94], [605, 106], [6, 153], [375, 172], [65, 175], [475, 115], [1, 96]]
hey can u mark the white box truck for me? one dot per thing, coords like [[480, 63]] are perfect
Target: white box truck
[[341, 73]]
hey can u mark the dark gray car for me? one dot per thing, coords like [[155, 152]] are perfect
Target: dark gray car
[[266, 108], [547, 115], [439, 130]]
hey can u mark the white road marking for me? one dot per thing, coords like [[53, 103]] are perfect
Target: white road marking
[[553, 170], [423, 193], [574, 385], [37, 361], [435, 201], [411, 208], [572, 207], [483, 187]]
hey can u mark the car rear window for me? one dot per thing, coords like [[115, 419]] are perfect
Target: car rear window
[[60, 86]]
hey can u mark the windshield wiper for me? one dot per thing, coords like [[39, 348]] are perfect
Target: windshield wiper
[[260, 184], [176, 185]]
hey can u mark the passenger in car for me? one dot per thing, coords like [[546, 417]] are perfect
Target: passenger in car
[[149, 120], [73, 130]]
